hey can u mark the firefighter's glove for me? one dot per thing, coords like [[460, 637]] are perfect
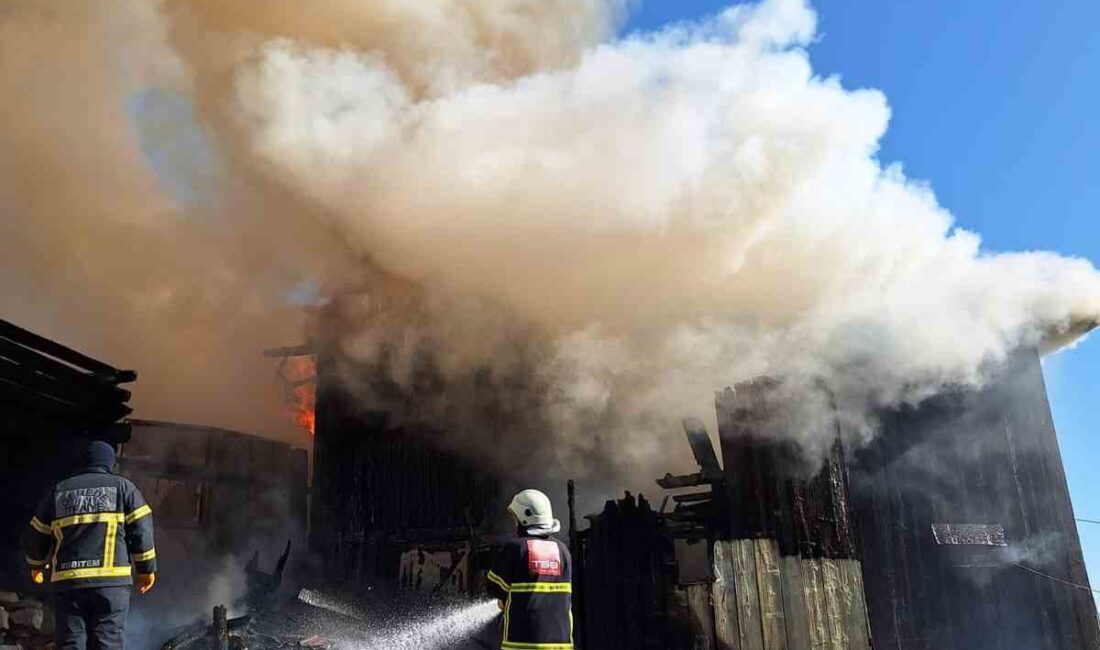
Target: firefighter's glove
[[145, 582], [38, 576]]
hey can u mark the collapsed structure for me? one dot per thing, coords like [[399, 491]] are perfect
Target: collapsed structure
[[952, 530]]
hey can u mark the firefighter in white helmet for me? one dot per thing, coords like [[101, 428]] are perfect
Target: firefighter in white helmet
[[532, 576]]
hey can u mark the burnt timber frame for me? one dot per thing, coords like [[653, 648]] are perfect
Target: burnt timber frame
[[45, 385]]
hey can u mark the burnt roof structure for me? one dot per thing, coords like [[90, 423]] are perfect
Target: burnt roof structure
[[46, 386]]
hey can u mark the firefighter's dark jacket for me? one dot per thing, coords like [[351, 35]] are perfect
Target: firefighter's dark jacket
[[92, 530], [533, 576]]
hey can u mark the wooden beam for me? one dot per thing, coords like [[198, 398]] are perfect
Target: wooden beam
[[83, 394], [68, 355], [670, 482], [33, 361], [693, 497], [702, 448]]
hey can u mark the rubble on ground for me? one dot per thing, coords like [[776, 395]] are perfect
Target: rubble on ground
[[25, 623]]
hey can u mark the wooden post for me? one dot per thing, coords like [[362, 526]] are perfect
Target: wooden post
[[578, 567], [221, 628]]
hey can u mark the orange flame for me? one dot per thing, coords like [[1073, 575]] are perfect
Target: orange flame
[[302, 396]]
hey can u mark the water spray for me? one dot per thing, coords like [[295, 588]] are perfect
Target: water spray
[[324, 601], [436, 631], [437, 626]]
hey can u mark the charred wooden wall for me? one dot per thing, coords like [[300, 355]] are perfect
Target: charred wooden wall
[[772, 489], [226, 489], [625, 573], [786, 564], [218, 496], [778, 540], [864, 528], [989, 458], [381, 488]]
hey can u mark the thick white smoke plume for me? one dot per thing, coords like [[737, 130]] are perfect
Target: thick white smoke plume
[[675, 212], [601, 232]]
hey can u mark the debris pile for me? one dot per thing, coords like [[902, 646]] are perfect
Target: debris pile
[[25, 623], [240, 633]]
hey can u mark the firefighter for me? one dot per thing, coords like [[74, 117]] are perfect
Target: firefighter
[[532, 577], [91, 532]]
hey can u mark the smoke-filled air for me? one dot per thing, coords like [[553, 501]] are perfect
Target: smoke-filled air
[[541, 234]]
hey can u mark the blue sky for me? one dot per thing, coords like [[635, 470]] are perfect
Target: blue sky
[[995, 102]]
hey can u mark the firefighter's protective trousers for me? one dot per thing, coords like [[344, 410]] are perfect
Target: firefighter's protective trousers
[[533, 576], [92, 618]]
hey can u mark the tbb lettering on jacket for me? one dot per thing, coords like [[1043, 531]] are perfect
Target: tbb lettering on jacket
[[543, 557]]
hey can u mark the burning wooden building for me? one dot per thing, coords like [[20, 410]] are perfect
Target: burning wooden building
[[952, 530], [391, 504]]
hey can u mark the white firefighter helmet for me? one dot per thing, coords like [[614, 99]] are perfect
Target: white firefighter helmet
[[533, 511]]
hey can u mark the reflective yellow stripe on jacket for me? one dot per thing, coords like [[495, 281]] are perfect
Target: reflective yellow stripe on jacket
[[100, 572], [498, 581], [41, 529], [94, 518], [532, 588], [108, 570], [542, 588], [143, 511]]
